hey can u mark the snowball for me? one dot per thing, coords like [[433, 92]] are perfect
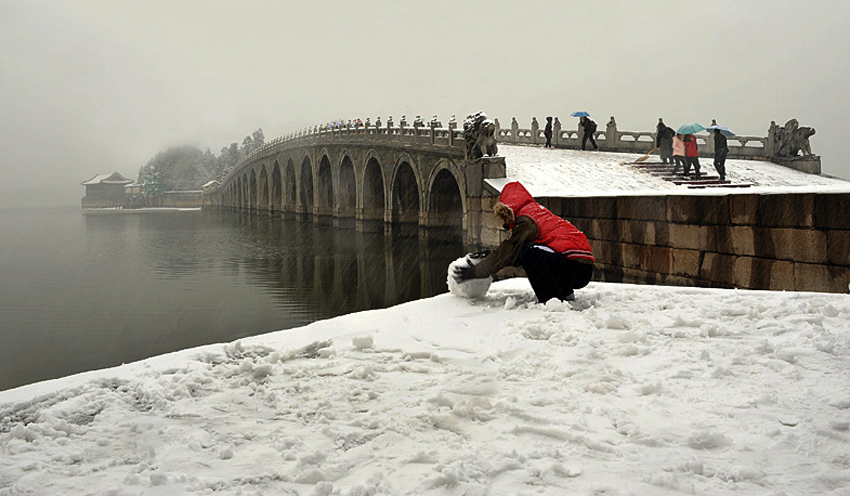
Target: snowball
[[471, 288], [708, 440], [363, 343]]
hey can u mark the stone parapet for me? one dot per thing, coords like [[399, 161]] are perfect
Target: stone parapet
[[788, 242], [612, 139]]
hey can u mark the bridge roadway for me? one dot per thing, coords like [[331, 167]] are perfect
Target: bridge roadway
[[395, 179]]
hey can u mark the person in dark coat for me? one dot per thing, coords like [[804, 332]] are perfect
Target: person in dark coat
[[664, 141], [721, 150], [556, 256], [589, 128], [548, 133]]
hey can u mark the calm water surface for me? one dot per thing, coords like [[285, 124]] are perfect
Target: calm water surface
[[82, 292]]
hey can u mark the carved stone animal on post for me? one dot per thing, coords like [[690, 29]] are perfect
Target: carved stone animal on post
[[792, 139], [804, 133], [479, 136]]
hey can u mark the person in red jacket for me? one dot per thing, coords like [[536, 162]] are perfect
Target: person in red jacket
[[556, 256], [691, 155]]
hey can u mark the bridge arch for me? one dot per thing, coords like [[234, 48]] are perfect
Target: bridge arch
[[263, 190], [277, 189], [324, 182], [373, 190], [290, 187], [252, 190], [446, 204], [405, 194], [305, 187], [243, 191], [346, 207]]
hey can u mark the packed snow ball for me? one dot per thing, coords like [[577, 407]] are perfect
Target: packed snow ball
[[471, 288]]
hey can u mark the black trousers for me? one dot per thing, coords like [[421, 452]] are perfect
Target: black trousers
[[588, 136], [551, 274], [692, 161], [720, 163]]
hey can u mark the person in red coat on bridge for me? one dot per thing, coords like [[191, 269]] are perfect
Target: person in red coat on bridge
[[692, 155], [555, 255]]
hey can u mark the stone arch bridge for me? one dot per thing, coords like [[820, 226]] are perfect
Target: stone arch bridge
[[396, 179]]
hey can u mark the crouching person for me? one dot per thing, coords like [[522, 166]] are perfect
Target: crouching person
[[555, 255]]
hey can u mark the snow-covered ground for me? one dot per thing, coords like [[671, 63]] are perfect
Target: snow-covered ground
[[629, 390], [562, 172]]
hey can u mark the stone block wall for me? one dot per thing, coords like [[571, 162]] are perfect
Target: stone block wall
[[177, 199], [114, 201], [793, 242]]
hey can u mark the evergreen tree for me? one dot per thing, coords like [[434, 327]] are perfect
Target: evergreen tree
[[247, 145], [188, 168], [259, 139], [227, 160]]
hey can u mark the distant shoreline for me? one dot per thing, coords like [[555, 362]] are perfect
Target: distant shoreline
[[109, 211]]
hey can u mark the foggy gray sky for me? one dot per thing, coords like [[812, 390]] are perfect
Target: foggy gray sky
[[96, 86]]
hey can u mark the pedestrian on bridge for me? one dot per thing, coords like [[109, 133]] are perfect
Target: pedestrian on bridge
[[664, 141], [589, 128], [691, 155], [721, 150], [555, 255], [548, 133], [679, 155]]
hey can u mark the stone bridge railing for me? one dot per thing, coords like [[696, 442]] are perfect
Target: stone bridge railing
[[449, 138], [611, 139]]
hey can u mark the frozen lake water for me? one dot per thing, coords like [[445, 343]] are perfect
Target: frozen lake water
[[81, 292]]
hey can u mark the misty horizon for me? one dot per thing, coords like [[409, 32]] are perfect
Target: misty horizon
[[92, 87]]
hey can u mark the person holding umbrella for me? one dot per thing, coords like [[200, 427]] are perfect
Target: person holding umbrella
[[691, 155], [721, 148], [587, 127], [691, 151]]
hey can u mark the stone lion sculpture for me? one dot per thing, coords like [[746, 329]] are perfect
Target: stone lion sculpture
[[794, 138], [803, 135], [479, 134]]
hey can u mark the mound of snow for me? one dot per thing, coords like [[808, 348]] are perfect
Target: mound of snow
[[471, 288]]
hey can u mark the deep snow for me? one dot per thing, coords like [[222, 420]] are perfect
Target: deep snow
[[628, 390]]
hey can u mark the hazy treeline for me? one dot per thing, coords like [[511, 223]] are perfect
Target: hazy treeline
[[188, 168]]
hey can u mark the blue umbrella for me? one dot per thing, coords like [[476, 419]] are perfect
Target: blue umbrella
[[579, 113], [691, 128], [723, 130]]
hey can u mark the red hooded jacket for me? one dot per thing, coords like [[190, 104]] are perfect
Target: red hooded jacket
[[552, 231], [691, 146]]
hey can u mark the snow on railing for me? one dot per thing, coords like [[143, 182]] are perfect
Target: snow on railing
[[612, 139], [418, 134], [434, 134]]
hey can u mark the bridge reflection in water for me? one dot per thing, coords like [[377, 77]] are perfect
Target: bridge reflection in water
[[333, 271]]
